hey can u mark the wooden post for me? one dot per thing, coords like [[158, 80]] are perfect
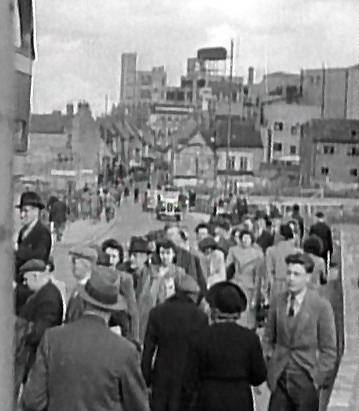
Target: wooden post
[[6, 205]]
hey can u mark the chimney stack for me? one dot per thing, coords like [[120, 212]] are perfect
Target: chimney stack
[[250, 76], [69, 110]]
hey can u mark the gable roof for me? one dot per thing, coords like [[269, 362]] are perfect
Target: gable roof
[[244, 134], [334, 130]]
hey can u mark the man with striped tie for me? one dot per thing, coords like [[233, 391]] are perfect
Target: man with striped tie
[[299, 341]]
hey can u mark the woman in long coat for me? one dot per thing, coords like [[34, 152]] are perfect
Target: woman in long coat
[[247, 258], [225, 359], [158, 282]]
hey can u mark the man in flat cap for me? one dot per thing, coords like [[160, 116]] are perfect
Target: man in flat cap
[[44, 309], [84, 365], [82, 260], [299, 341], [170, 327]]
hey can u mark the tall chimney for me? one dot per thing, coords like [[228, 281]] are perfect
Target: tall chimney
[[69, 110], [250, 76]]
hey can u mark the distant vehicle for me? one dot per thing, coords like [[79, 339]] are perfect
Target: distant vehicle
[[169, 206], [151, 199]]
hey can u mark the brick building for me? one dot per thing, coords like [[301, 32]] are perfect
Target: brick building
[[330, 152]]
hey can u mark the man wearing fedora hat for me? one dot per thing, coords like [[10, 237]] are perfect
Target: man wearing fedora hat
[[84, 365], [34, 239], [225, 359], [170, 327]]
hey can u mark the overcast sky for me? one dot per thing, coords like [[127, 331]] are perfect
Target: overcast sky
[[79, 42]]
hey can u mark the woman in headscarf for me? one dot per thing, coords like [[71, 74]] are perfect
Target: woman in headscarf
[[158, 282], [225, 359]]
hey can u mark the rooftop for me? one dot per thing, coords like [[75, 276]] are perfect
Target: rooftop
[[334, 130], [53, 123], [244, 134]]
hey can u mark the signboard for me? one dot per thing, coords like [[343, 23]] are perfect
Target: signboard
[[172, 109], [212, 53], [63, 173]]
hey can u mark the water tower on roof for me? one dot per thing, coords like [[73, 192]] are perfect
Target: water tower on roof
[[213, 60]]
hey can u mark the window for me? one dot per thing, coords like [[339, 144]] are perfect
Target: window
[[353, 172], [232, 163], [353, 151], [293, 130], [277, 147], [328, 149], [293, 149], [278, 125], [21, 142], [324, 171], [243, 163], [146, 94]]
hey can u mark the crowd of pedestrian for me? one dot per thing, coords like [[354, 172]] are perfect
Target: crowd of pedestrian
[[175, 324]]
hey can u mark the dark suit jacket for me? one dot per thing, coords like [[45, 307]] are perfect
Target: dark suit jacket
[[170, 327], [58, 212], [44, 309], [192, 266], [37, 245], [85, 366], [323, 231], [265, 240], [311, 343], [224, 361]]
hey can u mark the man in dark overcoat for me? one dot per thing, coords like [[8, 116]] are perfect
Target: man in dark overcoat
[[323, 231], [44, 309], [170, 327], [84, 365], [34, 239]]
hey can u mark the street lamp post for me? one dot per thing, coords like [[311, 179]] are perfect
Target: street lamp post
[[229, 119]]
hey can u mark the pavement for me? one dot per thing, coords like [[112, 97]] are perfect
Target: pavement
[[345, 393]]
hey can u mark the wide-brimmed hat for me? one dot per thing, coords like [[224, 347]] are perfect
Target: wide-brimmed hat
[[138, 245], [227, 297], [30, 198], [187, 285], [33, 265], [102, 289], [206, 243]]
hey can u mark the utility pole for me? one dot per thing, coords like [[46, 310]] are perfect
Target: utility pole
[[7, 106], [229, 119]]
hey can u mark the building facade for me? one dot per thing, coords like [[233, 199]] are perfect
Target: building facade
[[335, 90], [280, 130], [128, 77], [330, 152]]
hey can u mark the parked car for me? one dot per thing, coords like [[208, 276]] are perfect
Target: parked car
[[169, 205]]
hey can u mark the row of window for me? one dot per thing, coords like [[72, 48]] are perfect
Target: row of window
[[279, 126], [330, 149], [324, 171], [243, 163], [278, 147]]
